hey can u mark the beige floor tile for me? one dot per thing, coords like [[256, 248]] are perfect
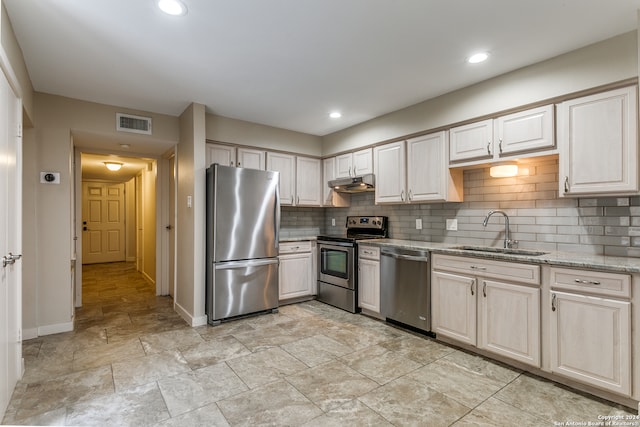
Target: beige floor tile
[[404, 402], [146, 369], [106, 354], [214, 351], [490, 368], [265, 337], [264, 367], [65, 390], [278, 403], [331, 385], [353, 413], [316, 349], [186, 392], [170, 340], [138, 406], [380, 364], [418, 349], [551, 401], [225, 329], [206, 416], [495, 413]]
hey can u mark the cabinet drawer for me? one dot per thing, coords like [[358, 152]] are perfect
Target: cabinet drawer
[[295, 247], [594, 282], [369, 252], [503, 270]]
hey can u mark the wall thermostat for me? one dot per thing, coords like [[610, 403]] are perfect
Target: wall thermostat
[[50, 177]]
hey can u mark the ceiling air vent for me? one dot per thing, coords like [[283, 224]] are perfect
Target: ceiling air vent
[[131, 123]]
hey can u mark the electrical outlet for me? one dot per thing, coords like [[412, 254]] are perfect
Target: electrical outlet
[[452, 224], [418, 223], [333, 222]]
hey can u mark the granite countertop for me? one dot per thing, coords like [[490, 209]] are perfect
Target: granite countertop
[[284, 239], [563, 259]]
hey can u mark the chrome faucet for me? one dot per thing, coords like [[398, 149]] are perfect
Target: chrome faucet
[[508, 243]]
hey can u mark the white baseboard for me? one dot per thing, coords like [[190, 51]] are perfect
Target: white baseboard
[[55, 329], [29, 334], [191, 320]]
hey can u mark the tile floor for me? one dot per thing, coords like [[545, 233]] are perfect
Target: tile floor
[[133, 361]]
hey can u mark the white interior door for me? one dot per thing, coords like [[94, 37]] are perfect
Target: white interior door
[[10, 242], [172, 225], [103, 236]]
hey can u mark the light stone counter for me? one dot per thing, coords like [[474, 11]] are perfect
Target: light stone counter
[[564, 259]]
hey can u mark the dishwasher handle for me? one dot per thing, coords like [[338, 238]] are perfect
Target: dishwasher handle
[[421, 258]]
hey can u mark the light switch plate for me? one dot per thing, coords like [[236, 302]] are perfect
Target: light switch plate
[[418, 223], [333, 222], [452, 224]]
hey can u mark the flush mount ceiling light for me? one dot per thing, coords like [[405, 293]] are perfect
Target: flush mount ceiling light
[[113, 166], [172, 7], [478, 57], [504, 170], [335, 114]]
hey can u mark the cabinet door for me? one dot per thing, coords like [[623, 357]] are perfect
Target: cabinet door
[[295, 275], [453, 306], [369, 285], [253, 159], [344, 165], [222, 154], [285, 164], [363, 162], [525, 131], [390, 173], [598, 144], [509, 320], [427, 167], [329, 173], [308, 192], [472, 141], [591, 340]]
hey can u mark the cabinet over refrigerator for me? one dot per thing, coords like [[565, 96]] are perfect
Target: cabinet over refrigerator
[[243, 223]]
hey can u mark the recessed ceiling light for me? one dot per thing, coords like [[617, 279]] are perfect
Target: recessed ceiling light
[[335, 114], [172, 7], [478, 57]]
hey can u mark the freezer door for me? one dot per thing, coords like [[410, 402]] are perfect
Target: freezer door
[[242, 287], [243, 213]]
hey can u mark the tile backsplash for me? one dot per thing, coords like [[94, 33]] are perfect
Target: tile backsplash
[[539, 219]]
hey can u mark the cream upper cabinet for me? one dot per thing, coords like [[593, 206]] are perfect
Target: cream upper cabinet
[[250, 158], [222, 154], [590, 339], [389, 168], [529, 131], [286, 165], [598, 143], [472, 141], [415, 171], [352, 164], [308, 179], [329, 196]]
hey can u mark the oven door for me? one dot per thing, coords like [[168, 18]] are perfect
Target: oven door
[[336, 263]]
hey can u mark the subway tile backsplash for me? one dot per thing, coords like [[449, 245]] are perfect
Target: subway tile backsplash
[[539, 218]]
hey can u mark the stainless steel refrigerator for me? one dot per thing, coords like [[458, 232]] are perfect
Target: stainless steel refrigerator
[[243, 223]]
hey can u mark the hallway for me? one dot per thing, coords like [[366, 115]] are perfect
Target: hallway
[[133, 361]]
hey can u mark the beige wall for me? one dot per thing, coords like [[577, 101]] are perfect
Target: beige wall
[[190, 221], [609, 61], [223, 129]]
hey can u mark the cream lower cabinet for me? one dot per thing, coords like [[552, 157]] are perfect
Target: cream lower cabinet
[[296, 273], [369, 278], [590, 339], [470, 306]]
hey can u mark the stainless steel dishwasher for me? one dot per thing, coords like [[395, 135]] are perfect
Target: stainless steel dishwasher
[[405, 287]]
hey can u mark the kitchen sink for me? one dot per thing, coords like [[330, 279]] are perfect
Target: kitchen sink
[[509, 251]]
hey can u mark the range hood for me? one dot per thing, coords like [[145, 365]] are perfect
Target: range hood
[[356, 184]]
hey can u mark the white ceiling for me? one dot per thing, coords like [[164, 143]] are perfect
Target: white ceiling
[[288, 63], [93, 167]]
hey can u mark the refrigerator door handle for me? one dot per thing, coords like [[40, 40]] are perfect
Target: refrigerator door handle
[[277, 218], [244, 264]]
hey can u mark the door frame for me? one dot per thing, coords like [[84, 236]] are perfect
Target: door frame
[[161, 206]]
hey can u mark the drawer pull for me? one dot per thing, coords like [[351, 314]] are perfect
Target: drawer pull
[[473, 282], [484, 289], [553, 302], [476, 267], [587, 282]]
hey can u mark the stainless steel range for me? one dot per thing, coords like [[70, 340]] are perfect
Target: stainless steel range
[[338, 261]]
